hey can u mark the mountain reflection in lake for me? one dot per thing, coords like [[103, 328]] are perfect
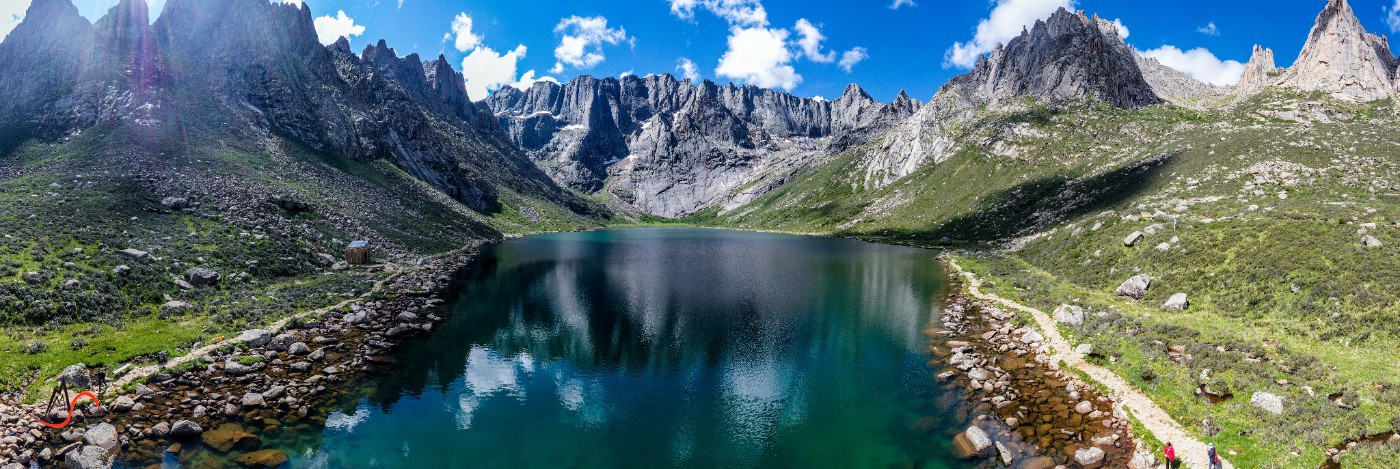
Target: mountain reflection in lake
[[654, 347]]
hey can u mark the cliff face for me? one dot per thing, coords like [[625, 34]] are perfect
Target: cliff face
[[1259, 73], [248, 71], [1066, 56], [1343, 59], [671, 148]]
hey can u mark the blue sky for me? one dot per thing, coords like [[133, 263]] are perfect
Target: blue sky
[[916, 47]]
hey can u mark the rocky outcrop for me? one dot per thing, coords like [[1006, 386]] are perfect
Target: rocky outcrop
[[1173, 85], [1343, 59], [1066, 56], [669, 147], [1259, 73]]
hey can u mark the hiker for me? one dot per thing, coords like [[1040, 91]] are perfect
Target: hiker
[[1170, 453], [1212, 458], [102, 381]]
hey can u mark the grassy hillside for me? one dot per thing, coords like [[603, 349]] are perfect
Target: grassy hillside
[[1257, 212], [270, 219]]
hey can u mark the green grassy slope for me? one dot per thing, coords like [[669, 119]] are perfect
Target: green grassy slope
[[1259, 209]]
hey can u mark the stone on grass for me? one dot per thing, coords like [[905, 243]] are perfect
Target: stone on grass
[[1133, 239], [200, 276], [1371, 242], [1135, 287], [1270, 402], [1177, 302], [134, 254], [971, 443], [76, 376], [1069, 314]]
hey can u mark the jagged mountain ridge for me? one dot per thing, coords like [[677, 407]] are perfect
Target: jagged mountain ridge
[[669, 147], [253, 72], [1342, 58]]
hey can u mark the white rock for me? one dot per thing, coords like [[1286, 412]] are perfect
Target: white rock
[[1267, 401], [1177, 302]]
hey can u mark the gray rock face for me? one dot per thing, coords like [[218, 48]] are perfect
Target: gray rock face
[[1064, 57], [1135, 287], [1343, 59], [670, 147], [1259, 73], [1173, 85]]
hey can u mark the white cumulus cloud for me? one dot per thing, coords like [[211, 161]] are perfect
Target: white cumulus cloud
[[688, 69], [1199, 63], [528, 79], [485, 70], [1209, 30], [463, 38], [743, 13], [850, 58], [1006, 21], [582, 43], [759, 56], [810, 38], [902, 3], [1392, 17], [331, 28]]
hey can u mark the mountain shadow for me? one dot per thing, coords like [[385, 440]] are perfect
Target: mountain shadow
[[1037, 204]]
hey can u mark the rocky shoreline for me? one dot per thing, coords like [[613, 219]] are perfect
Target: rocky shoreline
[[1026, 413], [282, 384]]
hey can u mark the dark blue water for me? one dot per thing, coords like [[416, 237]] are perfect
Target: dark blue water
[[664, 347]]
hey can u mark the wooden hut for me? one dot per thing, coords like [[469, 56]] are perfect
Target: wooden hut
[[357, 253]]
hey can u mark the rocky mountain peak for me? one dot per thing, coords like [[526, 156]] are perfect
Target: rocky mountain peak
[[1342, 58], [1066, 56], [1259, 73]]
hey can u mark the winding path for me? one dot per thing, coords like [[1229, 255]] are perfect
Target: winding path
[[1157, 421]]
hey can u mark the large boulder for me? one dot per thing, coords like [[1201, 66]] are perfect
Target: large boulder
[[123, 404], [1069, 314], [200, 276], [280, 343], [1176, 303], [255, 337], [89, 457], [183, 428], [134, 254], [1270, 402], [102, 435], [77, 376], [1089, 458], [232, 367], [1371, 242], [1135, 287], [971, 443], [1133, 239]]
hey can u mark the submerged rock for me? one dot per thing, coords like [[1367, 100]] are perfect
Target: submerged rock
[[971, 443]]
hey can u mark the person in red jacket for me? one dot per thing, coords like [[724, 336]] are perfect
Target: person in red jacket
[[1170, 453], [1214, 459]]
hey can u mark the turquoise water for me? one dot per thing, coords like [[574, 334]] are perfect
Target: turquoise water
[[664, 347]]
